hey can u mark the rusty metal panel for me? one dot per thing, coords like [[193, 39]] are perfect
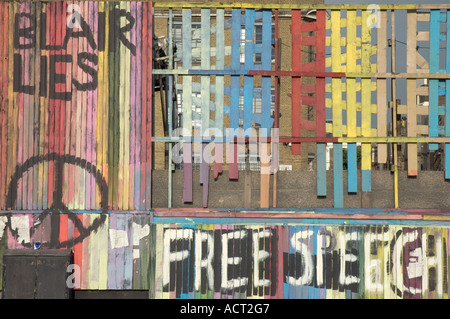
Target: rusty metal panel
[[36, 274]]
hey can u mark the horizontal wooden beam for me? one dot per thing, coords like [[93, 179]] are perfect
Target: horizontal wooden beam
[[290, 139], [287, 6], [395, 139], [415, 75]]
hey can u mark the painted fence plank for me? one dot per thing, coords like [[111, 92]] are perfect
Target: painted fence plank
[[411, 91], [366, 121], [447, 100], [234, 94], [352, 175], [219, 92], [187, 107], [433, 116], [266, 58], [320, 104], [381, 86], [4, 16], [337, 109], [205, 100]]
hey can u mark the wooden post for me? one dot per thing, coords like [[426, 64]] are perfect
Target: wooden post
[[411, 37]]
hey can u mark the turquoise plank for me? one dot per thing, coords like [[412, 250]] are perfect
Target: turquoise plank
[[338, 176], [433, 83], [352, 169]]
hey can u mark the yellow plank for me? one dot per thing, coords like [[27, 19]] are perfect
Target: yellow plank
[[336, 67], [351, 67]]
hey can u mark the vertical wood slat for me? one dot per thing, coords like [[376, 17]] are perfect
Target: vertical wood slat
[[352, 177], [37, 75], [232, 155], [133, 119], [381, 86], [205, 100], [4, 16], [266, 57], [146, 98], [337, 108], [320, 104], [248, 65], [10, 150], [447, 101], [150, 88], [68, 114], [20, 71], [44, 118], [433, 108], [138, 177], [366, 121], [187, 105], [219, 95], [411, 23], [296, 114]]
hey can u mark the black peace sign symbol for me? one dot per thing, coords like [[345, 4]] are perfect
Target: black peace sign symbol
[[57, 207]]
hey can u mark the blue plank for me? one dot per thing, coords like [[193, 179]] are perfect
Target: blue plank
[[266, 59], [433, 84], [235, 65], [352, 170], [321, 169], [248, 65], [338, 184]]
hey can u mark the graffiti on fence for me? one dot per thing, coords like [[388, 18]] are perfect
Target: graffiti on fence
[[129, 251]]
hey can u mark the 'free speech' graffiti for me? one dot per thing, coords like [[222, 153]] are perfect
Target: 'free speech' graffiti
[[245, 259]]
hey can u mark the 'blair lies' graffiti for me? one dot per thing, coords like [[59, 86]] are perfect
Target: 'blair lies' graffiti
[[31, 33]]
